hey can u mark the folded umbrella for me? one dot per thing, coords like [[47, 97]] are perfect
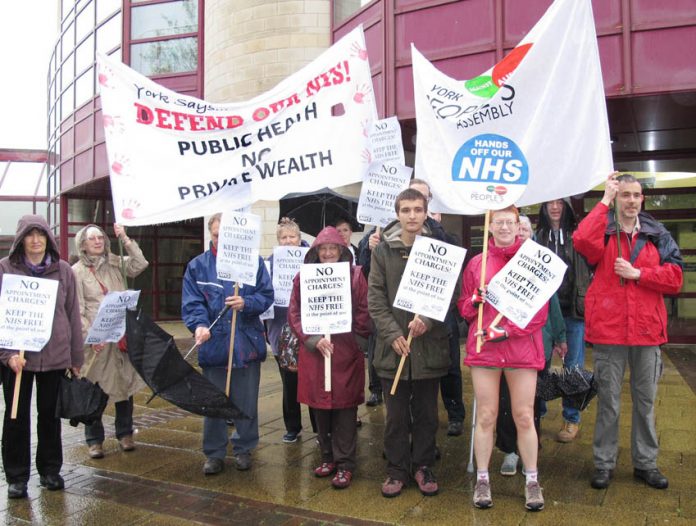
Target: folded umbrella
[[578, 386], [157, 360], [547, 385]]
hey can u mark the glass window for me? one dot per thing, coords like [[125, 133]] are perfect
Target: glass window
[[171, 18], [82, 211], [84, 87], [68, 41], [169, 56], [107, 7], [66, 101], [85, 21], [343, 9], [84, 56], [109, 35], [66, 74], [10, 211]]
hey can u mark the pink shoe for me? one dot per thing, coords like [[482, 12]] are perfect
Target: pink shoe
[[392, 488], [326, 469], [426, 481], [342, 479]]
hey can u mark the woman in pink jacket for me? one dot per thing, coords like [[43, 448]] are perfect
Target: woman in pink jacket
[[507, 349]]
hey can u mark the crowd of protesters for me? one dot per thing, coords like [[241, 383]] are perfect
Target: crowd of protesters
[[620, 264]]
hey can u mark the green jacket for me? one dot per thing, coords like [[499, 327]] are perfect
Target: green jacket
[[429, 356], [554, 331]]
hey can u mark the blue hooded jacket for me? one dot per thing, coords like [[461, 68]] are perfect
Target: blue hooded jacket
[[203, 297]]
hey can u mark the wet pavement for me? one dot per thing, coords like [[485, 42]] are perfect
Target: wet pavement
[[162, 483]]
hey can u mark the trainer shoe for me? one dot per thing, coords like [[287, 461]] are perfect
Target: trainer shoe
[[601, 478], [392, 488], [509, 466], [213, 466], [374, 400], [17, 490], [426, 481], [242, 461], [533, 496], [291, 437], [482, 494], [126, 443], [52, 482], [568, 432], [96, 451]]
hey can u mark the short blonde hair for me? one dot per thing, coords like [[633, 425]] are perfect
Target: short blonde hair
[[286, 223]]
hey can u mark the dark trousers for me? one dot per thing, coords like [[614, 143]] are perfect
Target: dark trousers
[[338, 436], [409, 434], [292, 412], [506, 431], [451, 383], [16, 434], [374, 383], [94, 434]]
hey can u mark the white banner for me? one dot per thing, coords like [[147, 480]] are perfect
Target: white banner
[[431, 274], [383, 182], [286, 264], [326, 298], [27, 306], [526, 283], [109, 325], [238, 247], [269, 313], [174, 157], [385, 141], [531, 129]]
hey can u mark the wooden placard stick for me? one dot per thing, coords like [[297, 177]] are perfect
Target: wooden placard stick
[[15, 397], [231, 353], [402, 362], [327, 368], [484, 256]]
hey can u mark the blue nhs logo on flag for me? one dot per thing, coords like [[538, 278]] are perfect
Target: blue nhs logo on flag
[[490, 158]]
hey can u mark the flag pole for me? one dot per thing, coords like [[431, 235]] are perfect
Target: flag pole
[[618, 231], [484, 256], [402, 361], [231, 353]]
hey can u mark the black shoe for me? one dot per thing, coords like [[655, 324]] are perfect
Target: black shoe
[[454, 428], [17, 490], [437, 453], [652, 477], [230, 422], [375, 399], [600, 479], [52, 482], [213, 466]]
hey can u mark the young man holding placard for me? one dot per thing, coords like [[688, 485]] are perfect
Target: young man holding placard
[[411, 422]]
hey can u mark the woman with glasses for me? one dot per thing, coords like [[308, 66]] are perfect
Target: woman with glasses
[[98, 271], [507, 350]]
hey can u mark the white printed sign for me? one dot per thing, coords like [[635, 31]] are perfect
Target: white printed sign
[[431, 274], [175, 157], [269, 313], [326, 298], [27, 307], [286, 264], [238, 247], [383, 182], [109, 325], [385, 141], [526, 283]]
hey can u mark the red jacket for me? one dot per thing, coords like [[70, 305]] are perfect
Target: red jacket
[[632, 314], [348, 360], [524, 348]]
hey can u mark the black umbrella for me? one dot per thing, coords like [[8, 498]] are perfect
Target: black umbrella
[[157, 360], [315, 210], [578, 386]]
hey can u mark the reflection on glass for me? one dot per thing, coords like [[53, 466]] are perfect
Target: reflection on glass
[[343, 9], [170, 56], [67, 43], [171, 18]]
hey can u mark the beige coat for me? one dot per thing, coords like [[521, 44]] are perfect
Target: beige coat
[[111, 368]]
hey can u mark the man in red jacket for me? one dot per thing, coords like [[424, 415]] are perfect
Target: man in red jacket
[[626, 320]]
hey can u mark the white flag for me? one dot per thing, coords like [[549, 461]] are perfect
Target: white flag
[[531, 129], [173, 157]]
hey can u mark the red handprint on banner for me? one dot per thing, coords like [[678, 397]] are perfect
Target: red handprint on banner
[[360, 93], [356, 50], [366, 156], [130, 207], [121, 165], [113, 124]]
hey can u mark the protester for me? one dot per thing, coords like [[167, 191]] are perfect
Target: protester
[[627, 321], [507, 349], [34, 252], [345, 229], [411, 420], [287, 234], [204, 296], [554, 341], [97, 272], [335, 411], [557, 222]]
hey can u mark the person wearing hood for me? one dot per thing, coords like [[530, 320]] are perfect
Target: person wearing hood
[[98, 272], [203, 297], [34, 252], [411, 420], [287, 234], [507, 350], [335, 411], [557, 222]]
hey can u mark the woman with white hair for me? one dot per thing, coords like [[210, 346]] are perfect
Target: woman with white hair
[[98, 271]]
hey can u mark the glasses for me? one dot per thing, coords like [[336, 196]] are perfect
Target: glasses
[[507, 222]]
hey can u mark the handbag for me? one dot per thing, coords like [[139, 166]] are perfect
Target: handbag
[[288, 349], [79, 400]]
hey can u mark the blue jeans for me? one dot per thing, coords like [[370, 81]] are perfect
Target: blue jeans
[[244, 393], [575, 334]]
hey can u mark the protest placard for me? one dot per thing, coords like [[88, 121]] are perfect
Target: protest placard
[[385, 141], [286, 264], [431, 274], [109, 324], [269, 313], [238, 247], [326, 298], [27, 306], [383, 182], [526, 283]]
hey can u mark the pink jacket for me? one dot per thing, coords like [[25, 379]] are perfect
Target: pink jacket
[[524, 349]]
